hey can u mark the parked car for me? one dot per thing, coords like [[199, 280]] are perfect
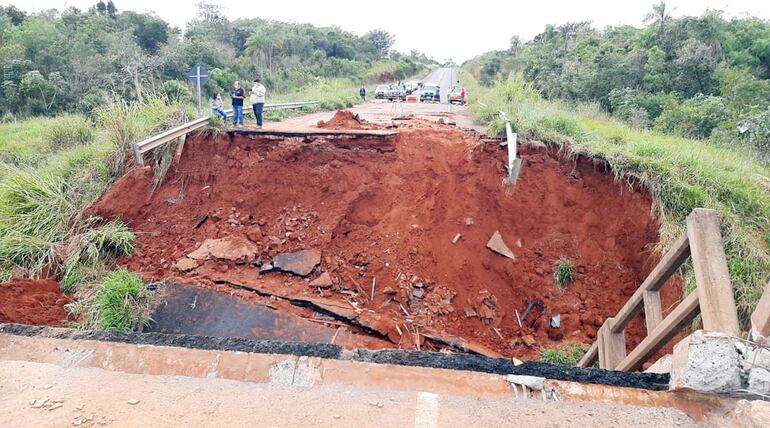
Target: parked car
[[455, 96], [411, 86], [381, 92], [427, 92]]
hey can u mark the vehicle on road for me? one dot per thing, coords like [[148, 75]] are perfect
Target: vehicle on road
[[427, 92], [390, 92], [411, 86], [455, 95]]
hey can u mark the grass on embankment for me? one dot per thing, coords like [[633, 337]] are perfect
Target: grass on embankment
[[681, 174]]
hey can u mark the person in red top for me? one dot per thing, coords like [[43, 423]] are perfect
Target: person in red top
[[462, 97]]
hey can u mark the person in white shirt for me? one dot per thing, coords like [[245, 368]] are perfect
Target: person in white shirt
[[257, 98]]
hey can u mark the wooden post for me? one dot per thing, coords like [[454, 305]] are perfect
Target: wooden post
[[612, 346], [760, 318], [653, 312], [715, 293]]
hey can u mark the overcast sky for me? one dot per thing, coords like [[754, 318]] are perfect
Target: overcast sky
[[441, 29]]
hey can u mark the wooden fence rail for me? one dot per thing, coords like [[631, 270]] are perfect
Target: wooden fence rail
[[712, 299]]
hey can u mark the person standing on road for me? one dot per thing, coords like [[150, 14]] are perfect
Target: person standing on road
[[437, 95], [462, 96], [217, 105], [238, 94], [362, 92], [257, 99]]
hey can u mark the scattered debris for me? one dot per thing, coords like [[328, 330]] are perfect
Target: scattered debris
[[470, 312], [300, 263], [47, 386], [133, 402], [497, 245], [201, 219], [456, 238], [528, 340], [185, 264], [55, 406], [555, 321], [389, 291], [230, 248], [323, 281], [516, 362]]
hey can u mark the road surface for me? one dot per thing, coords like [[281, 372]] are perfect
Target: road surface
[[445, 77], [90, 397]]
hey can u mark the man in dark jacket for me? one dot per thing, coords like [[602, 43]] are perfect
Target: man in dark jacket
[[238, 94], [362, 92]]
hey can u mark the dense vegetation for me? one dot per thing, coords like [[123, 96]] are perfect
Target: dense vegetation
[[698, 77], [77, 61]]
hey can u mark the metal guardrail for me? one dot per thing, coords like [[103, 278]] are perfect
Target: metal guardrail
[[142, 147]]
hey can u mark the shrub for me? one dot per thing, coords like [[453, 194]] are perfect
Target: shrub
[[68, 131], [755, 132], [563, 272], [176, 91], [568, 355], [122, 299], [693, 118], [120, 302]]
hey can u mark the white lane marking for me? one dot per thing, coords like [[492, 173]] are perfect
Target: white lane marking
[[426, 415]]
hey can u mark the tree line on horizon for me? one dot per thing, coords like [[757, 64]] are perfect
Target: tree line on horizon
[[75, 61], [695, 76]]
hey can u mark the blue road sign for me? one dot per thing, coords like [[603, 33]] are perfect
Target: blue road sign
[[198, 72]]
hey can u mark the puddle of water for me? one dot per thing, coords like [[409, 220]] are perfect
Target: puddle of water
[[202, 312]]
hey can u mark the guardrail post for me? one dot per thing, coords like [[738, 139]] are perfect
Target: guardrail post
[[138, 155], [653, 311], [712, 278], [612, 346]]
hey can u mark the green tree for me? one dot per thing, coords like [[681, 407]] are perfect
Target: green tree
[[381, 40]]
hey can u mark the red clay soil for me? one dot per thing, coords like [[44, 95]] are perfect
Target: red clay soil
[[344, 119], [393, 215], [29, 301]]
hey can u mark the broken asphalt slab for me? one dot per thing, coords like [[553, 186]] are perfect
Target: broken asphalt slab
[[300, 263]]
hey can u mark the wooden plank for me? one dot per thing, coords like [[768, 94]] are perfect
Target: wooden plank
[[612, 346], [590, 356], [659, 275], [712, 277], [760, 318], [682, 315], [653, 311]]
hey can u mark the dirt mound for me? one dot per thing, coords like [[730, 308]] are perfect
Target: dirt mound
[[29, 301], [413, 225], [344, 119]]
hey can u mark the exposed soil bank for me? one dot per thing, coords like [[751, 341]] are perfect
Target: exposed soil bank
[[37, 302], [393, 215]]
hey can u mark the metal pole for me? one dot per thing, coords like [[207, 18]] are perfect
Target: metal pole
[[198, 81]]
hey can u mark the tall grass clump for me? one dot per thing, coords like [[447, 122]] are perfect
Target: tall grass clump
[[69, 131], [680, 173], [120, 302]]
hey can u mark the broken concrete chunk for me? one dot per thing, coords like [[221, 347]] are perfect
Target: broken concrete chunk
[[389, 291], [230, 248], [185, 264], [555, 321], [528, 340], [300, 263], [497, 245], [706, 362], [323, 281], [759, 381], [532, 382], [470, 312]]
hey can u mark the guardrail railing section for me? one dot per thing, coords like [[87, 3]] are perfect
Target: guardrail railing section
[[712, 299]]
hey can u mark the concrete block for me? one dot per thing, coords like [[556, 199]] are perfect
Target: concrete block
[[757, 357], [759, 381], [752, 414], [706, 362], [663, 365]]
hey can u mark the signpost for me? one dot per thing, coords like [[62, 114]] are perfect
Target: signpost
[[198, 76]]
